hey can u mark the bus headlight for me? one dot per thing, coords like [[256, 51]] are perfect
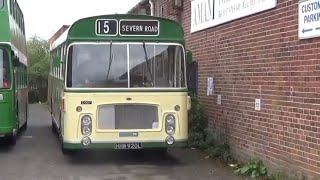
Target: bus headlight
[[86, 120], [170, 119], [170, 140], [86, 130], [170, 124], [170, 130], [86, 141], [86, 125]]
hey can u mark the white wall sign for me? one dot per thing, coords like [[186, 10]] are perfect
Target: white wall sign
[[309, 19], [209, 13], [210, 87], [257, 105], [219, 99]]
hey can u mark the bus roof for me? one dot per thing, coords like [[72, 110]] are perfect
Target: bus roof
[[122, 27]]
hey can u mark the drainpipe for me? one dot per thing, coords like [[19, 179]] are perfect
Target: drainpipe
[[151, 7]]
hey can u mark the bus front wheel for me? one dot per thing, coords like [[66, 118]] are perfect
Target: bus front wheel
[[11, 139], [53, 127], [24, 126]]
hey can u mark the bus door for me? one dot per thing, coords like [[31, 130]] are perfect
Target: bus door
[[18, 103]]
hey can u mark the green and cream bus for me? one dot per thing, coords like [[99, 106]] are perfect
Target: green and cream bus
[[119, 82], [13, 71]]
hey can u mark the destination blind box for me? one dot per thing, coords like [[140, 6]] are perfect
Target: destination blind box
[[139, 28], [111, 27]]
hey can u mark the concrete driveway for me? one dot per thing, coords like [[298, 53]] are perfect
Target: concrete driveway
[[37, 157]]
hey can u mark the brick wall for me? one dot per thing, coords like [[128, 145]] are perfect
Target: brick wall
[[168, 11], [262, 51]]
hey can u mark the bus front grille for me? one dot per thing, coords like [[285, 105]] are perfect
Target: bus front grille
[[122, 117]]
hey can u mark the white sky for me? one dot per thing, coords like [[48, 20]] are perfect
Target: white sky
[[44, 17]]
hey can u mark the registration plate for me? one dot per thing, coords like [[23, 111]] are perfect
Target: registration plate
[[128, 146]]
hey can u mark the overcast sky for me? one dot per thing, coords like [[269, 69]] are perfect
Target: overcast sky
[[45, 17]]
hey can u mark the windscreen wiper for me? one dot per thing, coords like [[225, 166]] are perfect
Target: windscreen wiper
[[146, 59], [110, 59]]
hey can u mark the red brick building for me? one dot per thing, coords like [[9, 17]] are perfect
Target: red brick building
[[58, 34], [253, 51]]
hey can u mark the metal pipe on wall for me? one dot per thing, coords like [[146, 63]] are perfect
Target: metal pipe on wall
[[151, 7]]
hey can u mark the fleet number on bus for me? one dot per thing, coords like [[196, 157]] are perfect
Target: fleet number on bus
[[110, 27]]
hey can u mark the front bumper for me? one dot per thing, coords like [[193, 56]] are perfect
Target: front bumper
[[146, 145]]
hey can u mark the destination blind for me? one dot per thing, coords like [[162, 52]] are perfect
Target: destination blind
[[142, 28], [108, 27]]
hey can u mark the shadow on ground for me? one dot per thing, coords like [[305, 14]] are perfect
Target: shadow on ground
[[128, 157]]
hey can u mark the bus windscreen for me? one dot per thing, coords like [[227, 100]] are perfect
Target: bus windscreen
[[107, 66]]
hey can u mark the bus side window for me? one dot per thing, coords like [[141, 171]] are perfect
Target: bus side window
[[69, 65]]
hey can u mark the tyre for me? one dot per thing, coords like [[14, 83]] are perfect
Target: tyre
[[11, 139], [53, 127], [25, 126]]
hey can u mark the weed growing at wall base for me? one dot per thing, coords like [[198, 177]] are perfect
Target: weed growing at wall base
[[218, 146], [215, 143], [255, 168], [198, 124]]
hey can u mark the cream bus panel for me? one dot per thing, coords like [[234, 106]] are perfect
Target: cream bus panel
[[113, 113]]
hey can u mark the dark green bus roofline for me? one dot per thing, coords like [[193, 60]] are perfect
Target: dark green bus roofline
[[170, 31], [130, 16]]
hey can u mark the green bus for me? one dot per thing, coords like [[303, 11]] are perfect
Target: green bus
[[119, 82], [13, 71]]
